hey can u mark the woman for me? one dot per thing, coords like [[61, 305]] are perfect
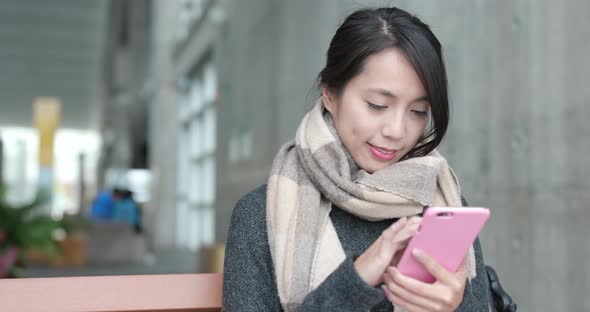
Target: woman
[[344, 197]]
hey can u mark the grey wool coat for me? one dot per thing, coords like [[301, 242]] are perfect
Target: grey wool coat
[[249, 282]]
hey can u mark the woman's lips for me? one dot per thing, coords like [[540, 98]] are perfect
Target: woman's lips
[[382, 153]]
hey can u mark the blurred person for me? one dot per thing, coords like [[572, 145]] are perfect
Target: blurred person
[[344, 197], [125, 209], [102, 206]]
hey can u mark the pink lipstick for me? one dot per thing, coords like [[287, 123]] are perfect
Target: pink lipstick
[[382, 153]]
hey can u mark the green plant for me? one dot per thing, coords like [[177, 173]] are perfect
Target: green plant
[[22, 228], [72, 224]]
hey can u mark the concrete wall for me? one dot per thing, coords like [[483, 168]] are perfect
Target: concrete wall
[[248, 101], [517, 139], [140, 106], [163, 129]]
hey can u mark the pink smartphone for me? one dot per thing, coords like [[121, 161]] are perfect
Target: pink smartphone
[[446, 233]]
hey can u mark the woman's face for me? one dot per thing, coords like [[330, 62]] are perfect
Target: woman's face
[[382, 112]]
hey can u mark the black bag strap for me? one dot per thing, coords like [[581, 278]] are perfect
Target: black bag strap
[[500, 298]]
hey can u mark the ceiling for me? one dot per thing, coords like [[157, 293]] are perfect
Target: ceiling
[[52, 48]]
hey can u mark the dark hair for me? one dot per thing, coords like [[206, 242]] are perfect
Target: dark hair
[[367, 32]]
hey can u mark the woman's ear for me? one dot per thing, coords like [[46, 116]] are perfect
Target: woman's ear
[[329, 101]]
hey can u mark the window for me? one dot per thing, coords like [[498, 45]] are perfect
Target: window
[[21, 166], [196, 160], [188, 12]]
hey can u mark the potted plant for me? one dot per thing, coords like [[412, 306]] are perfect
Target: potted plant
[[23, 228], [73, 244]]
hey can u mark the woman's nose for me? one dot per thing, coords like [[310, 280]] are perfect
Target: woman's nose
[[394, 128]]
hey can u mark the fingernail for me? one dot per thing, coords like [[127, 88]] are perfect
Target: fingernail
[[417, 252]]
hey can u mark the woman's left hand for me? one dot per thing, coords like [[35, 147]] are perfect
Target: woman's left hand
[[446, 294]]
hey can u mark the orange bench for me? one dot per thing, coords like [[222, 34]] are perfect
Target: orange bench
[[154, 293]]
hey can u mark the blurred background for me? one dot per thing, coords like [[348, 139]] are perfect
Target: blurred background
[[142, 122]]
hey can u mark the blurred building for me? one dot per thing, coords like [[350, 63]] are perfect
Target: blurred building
[[202, 93], [51, 49]]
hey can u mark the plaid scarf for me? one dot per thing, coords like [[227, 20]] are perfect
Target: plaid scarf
[[314, 172]]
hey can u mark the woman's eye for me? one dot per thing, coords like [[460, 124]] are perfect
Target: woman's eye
[[376, 107], [420, 113]]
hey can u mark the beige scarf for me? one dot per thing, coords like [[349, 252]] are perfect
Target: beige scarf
[[315, 171]]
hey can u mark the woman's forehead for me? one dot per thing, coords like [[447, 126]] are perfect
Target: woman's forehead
[[389, 74]]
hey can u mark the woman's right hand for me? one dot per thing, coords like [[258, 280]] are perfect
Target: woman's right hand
[[386, 250]]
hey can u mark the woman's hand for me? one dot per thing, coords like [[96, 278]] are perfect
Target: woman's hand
[[446, 294], [385, 251]]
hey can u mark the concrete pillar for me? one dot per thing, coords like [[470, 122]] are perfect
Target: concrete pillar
[[163, 125]]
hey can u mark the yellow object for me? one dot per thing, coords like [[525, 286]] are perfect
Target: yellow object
[[211, 258], [46, 118]]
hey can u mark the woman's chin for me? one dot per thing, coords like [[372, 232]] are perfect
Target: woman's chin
[[373, 167]]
